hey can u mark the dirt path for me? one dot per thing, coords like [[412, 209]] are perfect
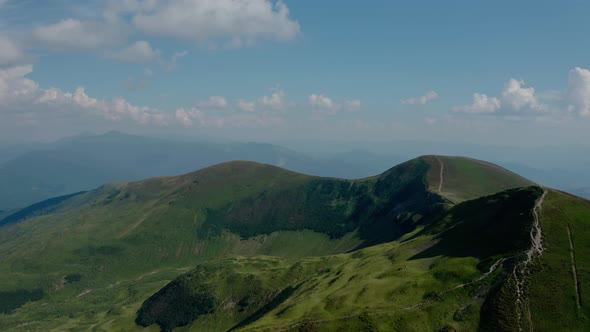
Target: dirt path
[[574, 270], [85, 292], [493, 268], [442, 169], [520, 271]]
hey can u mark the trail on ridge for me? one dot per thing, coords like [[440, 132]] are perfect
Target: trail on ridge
[[442, 169], [574, 270], [520, 271]]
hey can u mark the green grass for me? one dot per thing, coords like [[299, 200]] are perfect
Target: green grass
[[106, 251], [466, 178], [552, 292], [407, 284]]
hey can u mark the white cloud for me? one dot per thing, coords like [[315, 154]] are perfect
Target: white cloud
[[235, 23], [246, 106], [515, 98], [518, 97], [10, 52], [422, 100], [323, 104], [579, 91], [73, 34], [320, 101], [14, 86], [213, 102], [21, 94], [481, 104], [117, 109], [138, 52], [185, 117], [275, 101], [148, 72]]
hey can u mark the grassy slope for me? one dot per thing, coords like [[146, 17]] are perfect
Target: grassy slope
[[405, 285], [466, 178], [552, 292], [128, 240]]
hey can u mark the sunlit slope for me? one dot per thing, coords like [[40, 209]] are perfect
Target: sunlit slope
[[558, 299], [96, 256], [459, 273], [87, 250], [429, 281], [459, 178]]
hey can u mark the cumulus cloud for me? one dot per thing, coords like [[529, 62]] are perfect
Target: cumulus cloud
[[213, 102], [422, 100], [276, 101], [117, 109], [17, 92], [323, 104], [515, 98], [14, 85], [481, 104], [10, 53], [236, 23], [518, 97], [579, 91], [243, 105], [138, 52], [320, 101], [73, 34], [188, 116]]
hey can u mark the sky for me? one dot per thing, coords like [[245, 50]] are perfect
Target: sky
[[484, 72]]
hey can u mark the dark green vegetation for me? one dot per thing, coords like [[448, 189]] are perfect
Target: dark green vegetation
[[14, 299], [275, 250]]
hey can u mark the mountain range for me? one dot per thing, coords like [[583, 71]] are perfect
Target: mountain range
[[433, 244], [31, 173]]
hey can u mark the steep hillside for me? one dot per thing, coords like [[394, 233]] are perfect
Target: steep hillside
[[428, 281], [475, 268], [106, 251]]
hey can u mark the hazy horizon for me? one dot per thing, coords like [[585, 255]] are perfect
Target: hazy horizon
[[277, 71]]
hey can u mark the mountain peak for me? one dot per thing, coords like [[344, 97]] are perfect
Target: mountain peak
[[460, 178]]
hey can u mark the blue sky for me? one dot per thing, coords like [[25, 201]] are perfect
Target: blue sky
[[504, 72]]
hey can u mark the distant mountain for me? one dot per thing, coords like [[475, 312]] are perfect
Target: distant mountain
[[436, 243], [85, 162]]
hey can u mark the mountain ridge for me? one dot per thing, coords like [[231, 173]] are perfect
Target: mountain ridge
[[107, 251]]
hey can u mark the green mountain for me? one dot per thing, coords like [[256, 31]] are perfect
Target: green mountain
[[85, 162], [436, 243]]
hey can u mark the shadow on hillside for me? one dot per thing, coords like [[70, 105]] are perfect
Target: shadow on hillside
[[493, 225]]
